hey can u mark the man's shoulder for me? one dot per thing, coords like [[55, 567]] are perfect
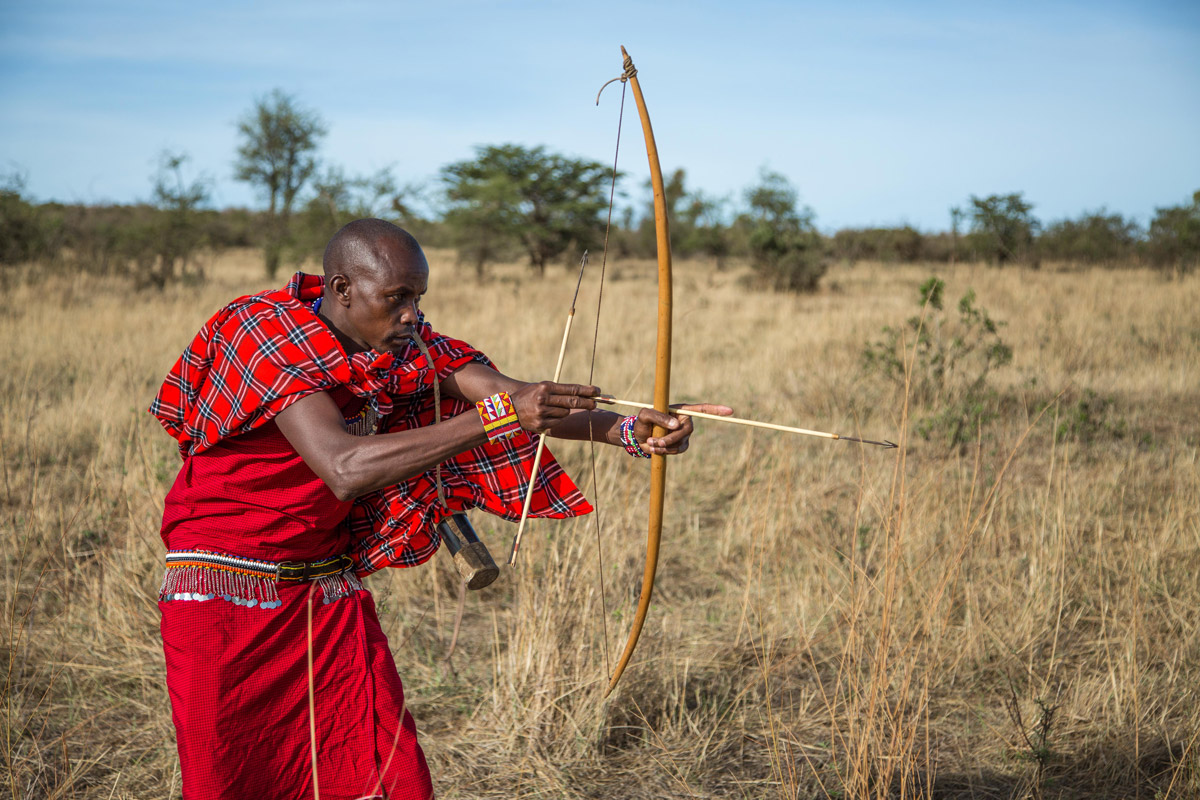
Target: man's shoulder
[[276, 300], [273, 312]]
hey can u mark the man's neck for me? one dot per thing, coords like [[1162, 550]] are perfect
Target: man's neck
[[347, 342]]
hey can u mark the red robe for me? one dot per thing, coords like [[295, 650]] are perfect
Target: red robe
[[236, 665]]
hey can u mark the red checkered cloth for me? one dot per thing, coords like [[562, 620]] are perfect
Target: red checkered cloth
[[263, 352]]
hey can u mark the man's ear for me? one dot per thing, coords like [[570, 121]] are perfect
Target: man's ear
[[340, 286]]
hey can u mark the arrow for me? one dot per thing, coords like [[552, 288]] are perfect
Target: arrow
[[608, 400]]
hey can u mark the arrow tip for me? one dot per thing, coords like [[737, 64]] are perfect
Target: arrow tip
[[888, 445]]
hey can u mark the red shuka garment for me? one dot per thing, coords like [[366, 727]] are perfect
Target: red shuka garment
[[224, 659], [270, 505], [237, 671]]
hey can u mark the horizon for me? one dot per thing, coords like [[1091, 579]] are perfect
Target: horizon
[[879, 118]]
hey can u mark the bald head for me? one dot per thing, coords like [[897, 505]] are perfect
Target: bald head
[[368, 244], [375, 276]]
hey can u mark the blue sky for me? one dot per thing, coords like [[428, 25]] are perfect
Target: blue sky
[[879, 113]]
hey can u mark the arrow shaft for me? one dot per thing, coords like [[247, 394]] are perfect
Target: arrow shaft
[[735, 420]]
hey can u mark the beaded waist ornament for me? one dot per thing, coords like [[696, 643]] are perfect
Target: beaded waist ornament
[[250, 582]]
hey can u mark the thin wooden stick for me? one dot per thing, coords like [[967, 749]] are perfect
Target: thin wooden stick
[[537, 457], [739, 421]]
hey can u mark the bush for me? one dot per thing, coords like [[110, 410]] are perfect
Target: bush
[[891, 245], [1097, 237], [785, 249], [1174, 240], [1090, 418], [28, 232], [951, 362]]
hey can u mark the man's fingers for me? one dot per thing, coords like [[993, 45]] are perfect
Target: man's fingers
[[569, 401], [574, 389], [540, 405], [678, 424], [663, 419], [667, 445], [672, 439], [570, 395]]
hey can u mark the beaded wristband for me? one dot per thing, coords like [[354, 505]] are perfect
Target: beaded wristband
[[499, 416], [629, 440]]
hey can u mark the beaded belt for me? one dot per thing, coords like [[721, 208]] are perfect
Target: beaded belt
[[204, 575]]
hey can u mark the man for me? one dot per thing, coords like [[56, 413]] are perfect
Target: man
[[285, 497]]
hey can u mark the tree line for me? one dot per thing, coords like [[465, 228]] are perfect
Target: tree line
[[516, 202]]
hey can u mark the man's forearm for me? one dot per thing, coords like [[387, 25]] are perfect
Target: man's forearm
[[353, 465], [474, 381], [372, 463], [603, 428], [356, 465]]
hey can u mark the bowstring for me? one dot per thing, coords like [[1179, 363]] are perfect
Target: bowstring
[[592, 371]]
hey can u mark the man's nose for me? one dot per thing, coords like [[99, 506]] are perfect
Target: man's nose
[[409, 313]]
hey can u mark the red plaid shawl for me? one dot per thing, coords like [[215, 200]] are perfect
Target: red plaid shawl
[[263, 352]]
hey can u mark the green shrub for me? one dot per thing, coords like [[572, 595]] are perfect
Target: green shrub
[[28, 232], [1097, 237], [785, 250], [952, 357], [1174, 240]]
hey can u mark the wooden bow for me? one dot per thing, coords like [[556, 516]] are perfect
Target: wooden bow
[[662, 374]]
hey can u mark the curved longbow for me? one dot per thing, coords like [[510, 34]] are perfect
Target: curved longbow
[[662, 374]]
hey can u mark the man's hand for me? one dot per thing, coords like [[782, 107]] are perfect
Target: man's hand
[[679, 427], [540, 405]]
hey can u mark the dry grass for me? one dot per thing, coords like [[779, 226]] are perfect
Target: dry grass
[[1015, 619]]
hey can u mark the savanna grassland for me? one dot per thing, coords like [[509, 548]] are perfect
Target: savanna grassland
[[1009, 611]]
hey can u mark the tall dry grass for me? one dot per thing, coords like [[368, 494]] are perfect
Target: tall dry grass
[[1016, 618]]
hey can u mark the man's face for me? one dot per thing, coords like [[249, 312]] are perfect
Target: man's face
[[383, 302]]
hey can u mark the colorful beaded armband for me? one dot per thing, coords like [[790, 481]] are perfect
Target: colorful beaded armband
[[499, 416], [629, 440]]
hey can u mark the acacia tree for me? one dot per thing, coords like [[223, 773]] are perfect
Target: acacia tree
[[515, 197], [704, 224], [338, 198], [1003, 227], [276, 155], [179, 231], [675, 193], [785, 248]]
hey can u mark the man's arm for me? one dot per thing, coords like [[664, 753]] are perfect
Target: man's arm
[[352, 466], [475, 381]]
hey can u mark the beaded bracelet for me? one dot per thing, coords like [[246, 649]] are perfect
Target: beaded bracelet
[[499, 416], [629, 440]]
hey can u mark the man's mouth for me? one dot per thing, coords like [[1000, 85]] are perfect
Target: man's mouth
[[399, 340]]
